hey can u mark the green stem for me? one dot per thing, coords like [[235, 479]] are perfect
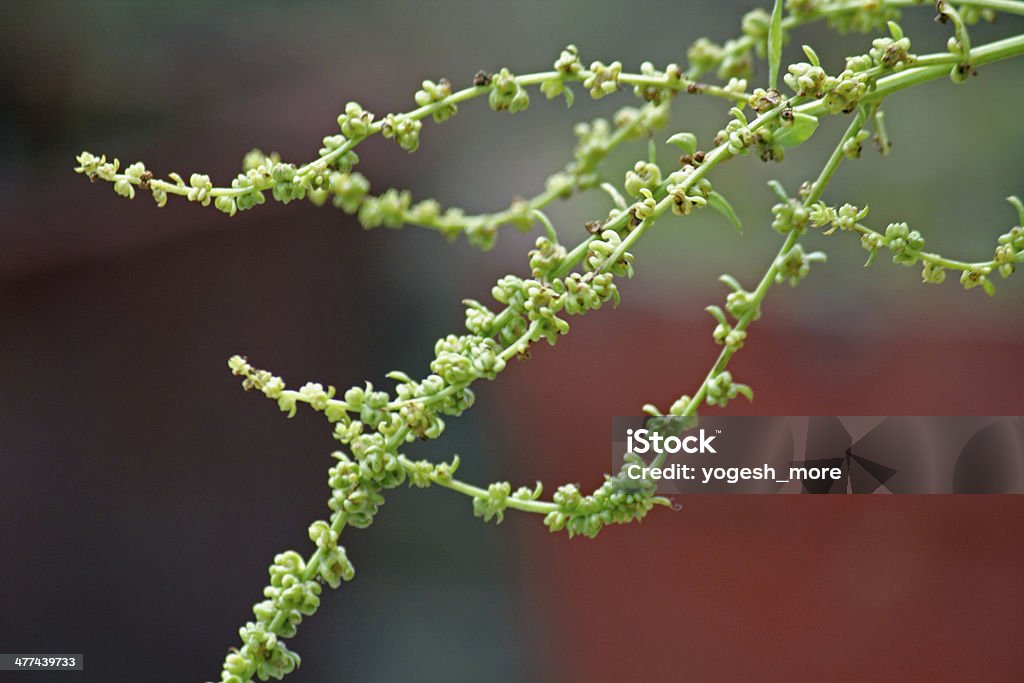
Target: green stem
[[1004, 6], [337, 524], [769, 277], [887, 85], [534, 506], [320, 164], [930, 257], [448, 224]]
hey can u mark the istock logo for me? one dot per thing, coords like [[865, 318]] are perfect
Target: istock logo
[[643, 441]]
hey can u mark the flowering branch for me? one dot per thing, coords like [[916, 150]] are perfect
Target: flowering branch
[[376, 425]]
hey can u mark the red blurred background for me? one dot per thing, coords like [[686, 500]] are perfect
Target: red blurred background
[[847, 588]]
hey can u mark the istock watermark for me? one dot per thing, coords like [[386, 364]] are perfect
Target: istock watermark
[[644, 441], [822, 454]]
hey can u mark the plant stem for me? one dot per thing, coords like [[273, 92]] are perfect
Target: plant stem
[[1004, 6], [769, 277], [887, 85]]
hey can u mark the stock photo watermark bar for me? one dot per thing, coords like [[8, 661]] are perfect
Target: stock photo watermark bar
[[822, 454]]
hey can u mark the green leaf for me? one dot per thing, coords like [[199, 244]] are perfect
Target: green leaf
[[775, 44], [720, 204], [730, 282], [803, 127], [717, 313], [779, 191], [569, 95], [546, 222], [812, 56], [1016, 203], [687, 142], [398, 376], [881, 135]]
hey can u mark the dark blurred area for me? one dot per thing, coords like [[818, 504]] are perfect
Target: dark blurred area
[[143, 494]]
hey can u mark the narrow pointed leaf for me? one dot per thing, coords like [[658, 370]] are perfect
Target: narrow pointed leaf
[[717, 313], [1016, 203], [812, 56], [720, 204], [775, 44]]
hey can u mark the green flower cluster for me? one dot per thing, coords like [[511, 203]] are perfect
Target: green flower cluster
[[790, 216], [568, 65], [672, 77], [494, 504], [330, 176], [844, 218], [365, 419], [403, 129], [722, 389], [604, 253], [736, 135], [97, 168], [350, 190], [687, 194], [725, 334], [904, 243], [891, 53], [506, 93], [619, 500], [861, 17], [795, 265], [262, 654], [603, 79], [733, 59], [976, 276], [739, 302], [1009, 250], [434, 94], [644, 175], [293, 593], [355, 122], [906, 246], [839, 93]]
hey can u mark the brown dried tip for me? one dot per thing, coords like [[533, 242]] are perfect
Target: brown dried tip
[[771, 99], [695, 159], [482, 78], [144, 179], [593, 227]]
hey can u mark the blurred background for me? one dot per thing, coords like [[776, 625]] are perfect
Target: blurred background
[[143, 494]]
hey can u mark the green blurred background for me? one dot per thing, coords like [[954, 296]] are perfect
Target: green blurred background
[[142, 494]]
